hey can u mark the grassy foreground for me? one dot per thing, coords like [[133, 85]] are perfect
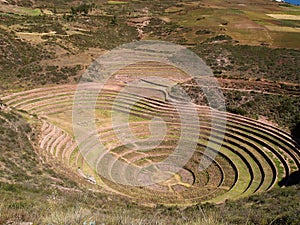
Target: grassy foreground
[[51, 206]]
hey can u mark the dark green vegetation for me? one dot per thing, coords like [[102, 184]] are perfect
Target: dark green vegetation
[[284, 110], [252, 62], [256, 81], [281, 109]]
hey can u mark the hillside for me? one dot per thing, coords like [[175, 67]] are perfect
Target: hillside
[[50, 175]]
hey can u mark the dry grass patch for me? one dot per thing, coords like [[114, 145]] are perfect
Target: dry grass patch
[[283, 29], [284, 16], [34, 37]]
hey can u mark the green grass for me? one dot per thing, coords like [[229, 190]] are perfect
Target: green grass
[[278, 165], [296, 12], [8, 15], [116, 2], [133, 118], [290, 8], [73, 156], [290, 23], [31, 12]]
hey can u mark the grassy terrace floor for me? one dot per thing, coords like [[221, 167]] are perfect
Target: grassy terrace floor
[[253, 156]]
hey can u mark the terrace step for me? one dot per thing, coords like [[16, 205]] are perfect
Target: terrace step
[[253, 156]]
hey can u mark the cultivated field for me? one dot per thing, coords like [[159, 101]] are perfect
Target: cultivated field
[[285, 16], [253, 157]]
